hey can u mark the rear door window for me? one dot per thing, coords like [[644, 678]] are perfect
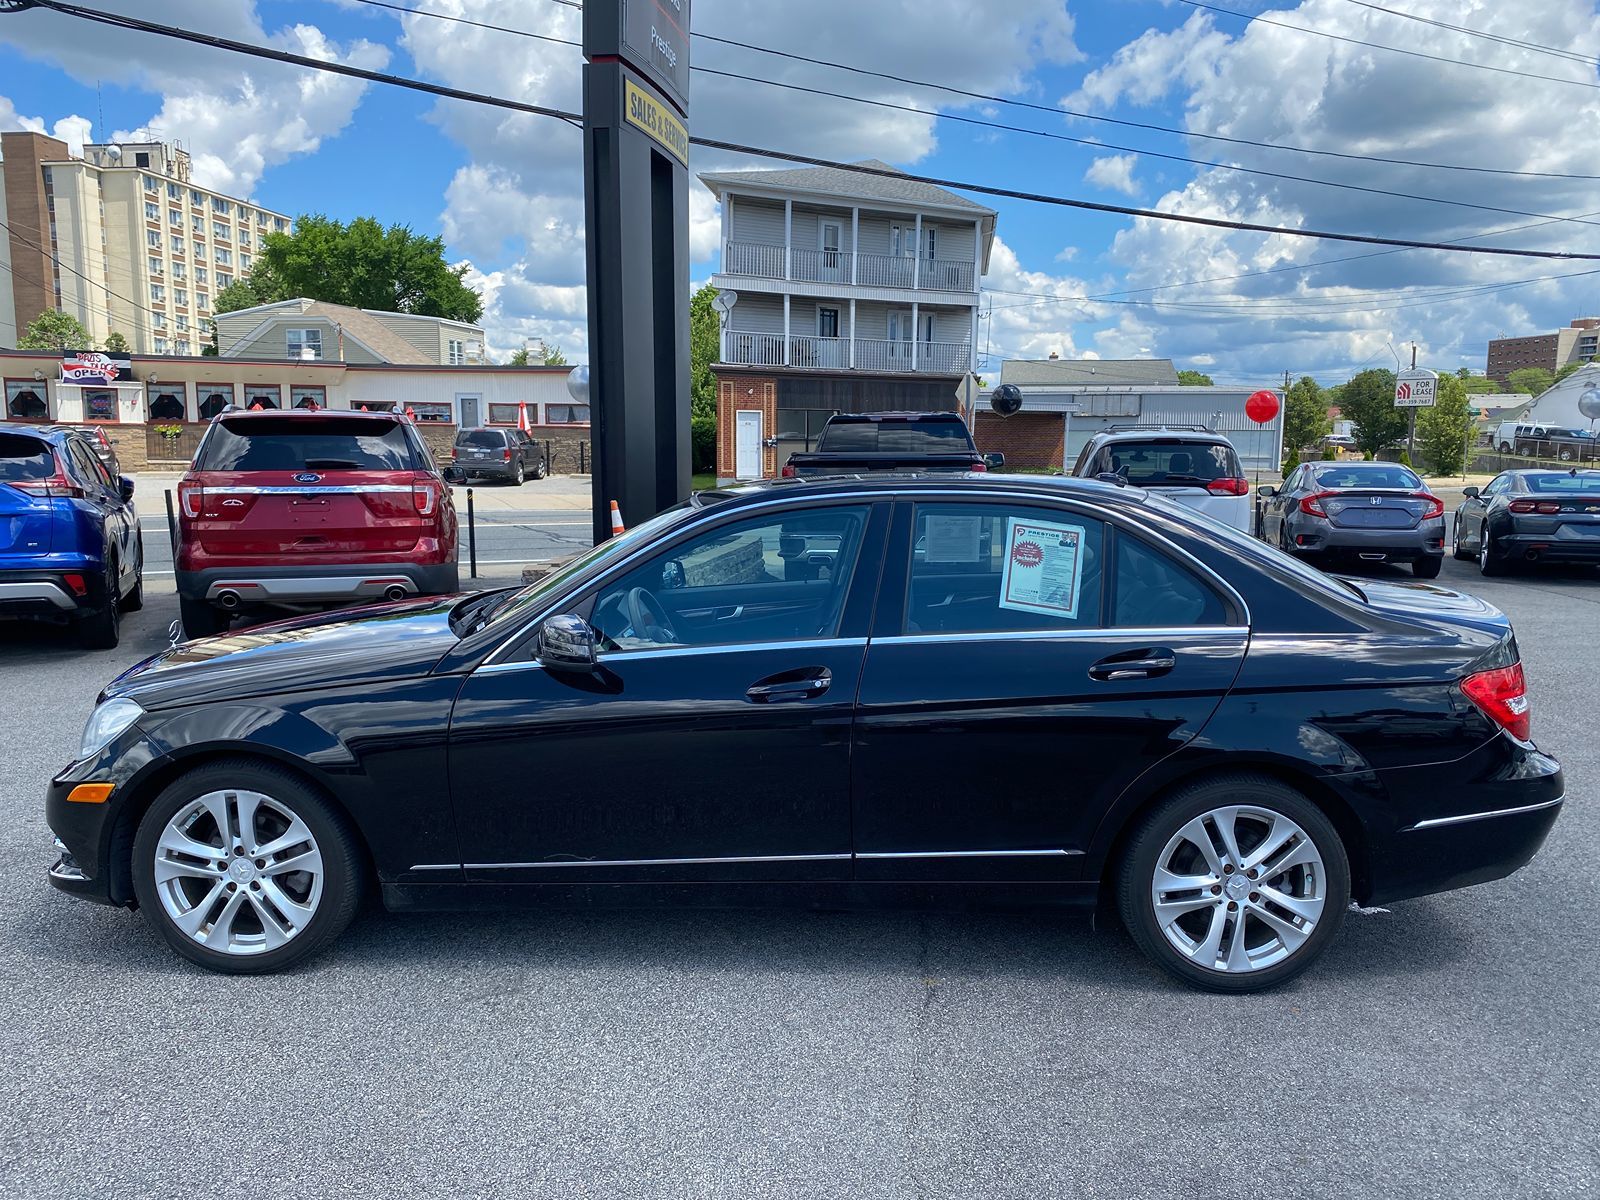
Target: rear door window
[[482, 439], [25, 458], [301, 443], [895, 437], [1173, 463], [1154, 591]]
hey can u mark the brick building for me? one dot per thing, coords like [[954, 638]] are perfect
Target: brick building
[[1578, 342]]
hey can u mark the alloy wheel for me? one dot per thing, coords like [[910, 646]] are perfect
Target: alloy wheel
[[238, 872], [1238, 889]]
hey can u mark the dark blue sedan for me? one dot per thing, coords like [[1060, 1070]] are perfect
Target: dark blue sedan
[[69, 535]]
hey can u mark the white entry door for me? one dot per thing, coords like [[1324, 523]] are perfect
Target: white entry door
[[471, 414], [747, 444]]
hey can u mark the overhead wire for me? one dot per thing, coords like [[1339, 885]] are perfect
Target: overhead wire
[[1501, 39]]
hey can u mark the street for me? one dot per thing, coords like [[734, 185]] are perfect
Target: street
[[1445, 1048]]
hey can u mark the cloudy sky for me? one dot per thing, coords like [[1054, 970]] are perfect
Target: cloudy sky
[[505, 190]]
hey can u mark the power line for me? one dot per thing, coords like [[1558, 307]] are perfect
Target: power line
[[1518, 43], [283, 56], [1339, 37], [55, 257], [993, 99]]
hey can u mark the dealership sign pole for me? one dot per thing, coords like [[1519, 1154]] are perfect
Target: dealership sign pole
[[636, 246], [1415, 389]]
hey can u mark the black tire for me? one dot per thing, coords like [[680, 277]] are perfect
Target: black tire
[[1505, 447], [1455, 543], [200, 618], [1490, 563], [1427, 568], [343, 862], [1137, 869], [134, 600], [541, 468], [102, 629], [518, 475]]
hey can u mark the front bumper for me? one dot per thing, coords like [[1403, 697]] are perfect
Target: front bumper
[[94, 842], [319, 584]]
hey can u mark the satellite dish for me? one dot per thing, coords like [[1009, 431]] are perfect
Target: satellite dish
[[1006, 399], [1589, 403], [578, 384], [724, 301], [114, 153]]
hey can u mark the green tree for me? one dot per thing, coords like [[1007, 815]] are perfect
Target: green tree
[[1194, 379], [1443, 430], [705, 345], [245, 293], [55, 330], [1368, 401], [1305, 414], [1476, 385], [552, 357], [116, 343], [1568, 370], [361, 264], [1533, 380]]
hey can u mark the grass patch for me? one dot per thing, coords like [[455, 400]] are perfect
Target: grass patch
[[700, 483]]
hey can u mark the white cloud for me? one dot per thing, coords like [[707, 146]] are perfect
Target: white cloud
[[1114, 172], [236, 117], [73, 130]]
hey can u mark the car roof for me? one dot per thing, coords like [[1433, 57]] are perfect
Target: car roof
[[1160, 433], [850, 418], [305, 414], [884, 483]]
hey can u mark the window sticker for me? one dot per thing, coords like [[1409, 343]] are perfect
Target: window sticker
[[1043, 571], [952, 539]]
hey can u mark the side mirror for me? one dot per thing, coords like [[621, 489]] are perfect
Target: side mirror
[[567, 643], [1471, 493], [672, 575], [1266, 491], [994, 461], [453, 475], [125, 487]]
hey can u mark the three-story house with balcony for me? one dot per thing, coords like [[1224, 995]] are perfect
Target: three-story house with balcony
[[849, 293]]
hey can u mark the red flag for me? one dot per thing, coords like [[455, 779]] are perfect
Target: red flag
[[522, 418], [411, 414]]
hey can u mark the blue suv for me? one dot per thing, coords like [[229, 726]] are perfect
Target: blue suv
[[70, 548]]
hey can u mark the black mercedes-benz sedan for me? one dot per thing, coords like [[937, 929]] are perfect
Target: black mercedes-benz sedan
[[1529, 516], [968, 690]]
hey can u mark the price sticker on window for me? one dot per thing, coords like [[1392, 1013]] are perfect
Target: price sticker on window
[[1043, 570]]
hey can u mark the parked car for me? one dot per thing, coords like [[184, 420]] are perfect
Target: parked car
[[1529, 516], [284, 511], [104, 450], [70, 548], [1548, 441], [856, 443], [505, 454], [1187, 463], [1370, 512], [994, 691]]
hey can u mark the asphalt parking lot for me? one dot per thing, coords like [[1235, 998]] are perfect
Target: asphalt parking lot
[[1445, 1048]]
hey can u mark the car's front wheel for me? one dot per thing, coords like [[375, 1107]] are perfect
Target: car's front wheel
[[1234, 884], [245, 869]]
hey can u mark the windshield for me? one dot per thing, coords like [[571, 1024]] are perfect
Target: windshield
[[1583, 481], [291, 443], [1173, 462], [520, 605], [1367, 475], [894, 437], [1272, 557]]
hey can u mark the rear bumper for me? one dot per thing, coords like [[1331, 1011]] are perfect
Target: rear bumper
[[1376, 545], [317, 584], [497, 470], [1548, 548], [46, 594]]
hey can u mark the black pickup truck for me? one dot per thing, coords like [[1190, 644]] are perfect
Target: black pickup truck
[[859, 443]]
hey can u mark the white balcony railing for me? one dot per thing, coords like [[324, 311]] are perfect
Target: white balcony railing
[[830, 353], [763, 261]]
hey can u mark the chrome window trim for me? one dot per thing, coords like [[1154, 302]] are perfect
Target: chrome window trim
[[613, 656], [717, 512], [1098, 633], [307, 489], [1464, 818], [971, 854], [656, 862]]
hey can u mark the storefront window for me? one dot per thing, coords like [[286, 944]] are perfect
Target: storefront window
[[261, 398], [166, 401], [308, 397], [25, 400], [566, 414], [374, 406], [440, 413], [99, 404], [506, 414], [214, 398]]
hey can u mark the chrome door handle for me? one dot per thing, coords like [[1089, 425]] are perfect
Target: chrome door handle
[[1147, 665]]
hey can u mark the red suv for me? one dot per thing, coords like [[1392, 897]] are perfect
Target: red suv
[[302, 509]]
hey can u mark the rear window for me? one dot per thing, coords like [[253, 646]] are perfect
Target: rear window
[[291, 443], [895, 437], [1173, 462], [25, 458], [1572, 485], [484, 439], [1355, 476]]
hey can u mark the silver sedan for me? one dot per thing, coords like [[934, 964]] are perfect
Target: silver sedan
[[1371, 512]]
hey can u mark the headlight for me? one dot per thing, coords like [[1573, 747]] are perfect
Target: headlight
[[106, 722]]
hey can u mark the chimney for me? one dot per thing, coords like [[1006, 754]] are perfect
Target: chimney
[[1054, 356]]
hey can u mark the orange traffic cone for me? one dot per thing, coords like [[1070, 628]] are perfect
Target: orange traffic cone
[[616, 520]]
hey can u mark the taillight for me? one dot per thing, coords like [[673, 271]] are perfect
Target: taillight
[[1435, 505], [980, 465], [78, 584], [189, 497], [1229, 487], [1312, 505], [454, 454], [57, 487], [424, 498], [506, 453], [788, 470], [1502, 695], [1544, 507]]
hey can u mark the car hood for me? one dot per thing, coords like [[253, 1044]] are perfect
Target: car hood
[[381, 641], [1417, 598]]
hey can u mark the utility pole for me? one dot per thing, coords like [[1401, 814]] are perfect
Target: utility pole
[[1411, 436]]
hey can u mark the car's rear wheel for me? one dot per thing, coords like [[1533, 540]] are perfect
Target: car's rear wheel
[[102, 629], [245, 869], [1505, 447], [134, 600], [1490, 561], [200, 618], [518, 475], [1427, 568], [1234, 884]]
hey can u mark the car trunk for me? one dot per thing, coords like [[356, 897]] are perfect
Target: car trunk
[[1375, 508], [342, 516], [1561, 518]]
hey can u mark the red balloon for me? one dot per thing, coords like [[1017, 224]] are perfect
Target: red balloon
[[1262, 406]]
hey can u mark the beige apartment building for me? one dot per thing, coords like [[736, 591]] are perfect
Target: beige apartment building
[[122, 239]]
